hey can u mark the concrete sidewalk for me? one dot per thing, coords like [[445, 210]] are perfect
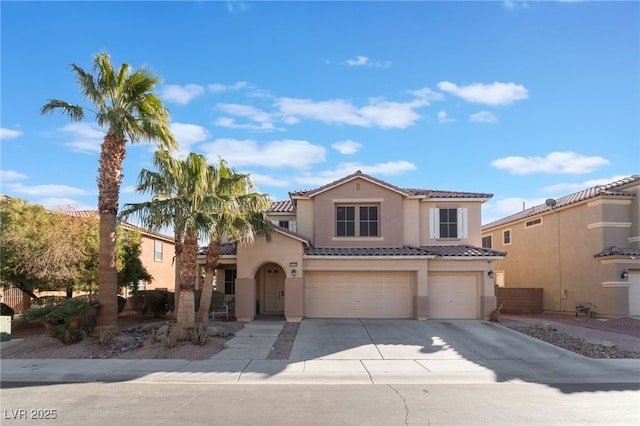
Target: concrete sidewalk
[[352, 352]]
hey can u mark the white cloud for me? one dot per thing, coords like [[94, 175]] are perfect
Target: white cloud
[[381, 113], [483, 117], [390, 168], [217, 87], [47, 190], [10, 134], [363, 61], [568, 188], [555, 162], [443, 117], [6, 175], [63, 203], [188, 134], [515, 4], [87, 137], [264, 119], [181, 94], [234, 6], [490, 94], [347, 147], [426, 94], [260, 179], [387, 114], [298, 154]]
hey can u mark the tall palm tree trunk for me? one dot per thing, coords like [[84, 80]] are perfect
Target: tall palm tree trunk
[[109, 177], [213, 254], [185, 317]]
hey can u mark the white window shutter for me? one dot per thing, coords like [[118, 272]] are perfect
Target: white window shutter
[[462, 222], [434, 223]]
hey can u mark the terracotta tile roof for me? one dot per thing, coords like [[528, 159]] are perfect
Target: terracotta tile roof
[[87, 214], [434, 251], [463, 251], [610, 189], [282, 207], [434, 193], [427, 193], [226, 249], [366, 251], [618, 251]]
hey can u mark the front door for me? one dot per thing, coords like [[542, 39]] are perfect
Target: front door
[[273, 289]]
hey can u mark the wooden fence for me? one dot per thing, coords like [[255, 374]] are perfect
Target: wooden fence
[[519, 300]]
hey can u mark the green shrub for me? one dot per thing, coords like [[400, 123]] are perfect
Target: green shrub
[[4, 337], [6, 310], [67, 320], [155, 302]]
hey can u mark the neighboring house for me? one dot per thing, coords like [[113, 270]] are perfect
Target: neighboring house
[[363, 248], [583, 248], [157, 252]]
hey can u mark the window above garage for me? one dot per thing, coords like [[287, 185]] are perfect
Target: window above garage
[[448, 222], [357, 221]]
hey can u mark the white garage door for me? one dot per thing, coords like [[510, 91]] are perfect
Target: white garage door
[[634, 293], [357, 295], [453, 296]]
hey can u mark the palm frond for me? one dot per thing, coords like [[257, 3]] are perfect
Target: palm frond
[[75, 112]]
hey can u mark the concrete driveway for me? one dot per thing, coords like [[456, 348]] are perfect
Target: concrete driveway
[[409, 339]]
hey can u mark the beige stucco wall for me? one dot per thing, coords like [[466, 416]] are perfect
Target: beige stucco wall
[[474, 223], [558, 255], [390, 214], [162, 272]]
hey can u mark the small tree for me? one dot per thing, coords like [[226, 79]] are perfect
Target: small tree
[[130, 269]]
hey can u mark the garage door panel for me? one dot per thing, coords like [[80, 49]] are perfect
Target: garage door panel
[[357, 295], [453, 296]]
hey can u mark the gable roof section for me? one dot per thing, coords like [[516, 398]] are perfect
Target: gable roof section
[[611, 189], [356, 175], [407, 192], [432, 252], [282, 207], [88, 214]]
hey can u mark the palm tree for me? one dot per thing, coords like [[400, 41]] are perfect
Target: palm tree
[[179, 189], [123, 101], [235, 213]]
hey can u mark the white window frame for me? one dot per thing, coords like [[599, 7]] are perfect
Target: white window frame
[[528, 224], [434, 223], [490, 236], [356, 222], [158, 254], [504, 232]]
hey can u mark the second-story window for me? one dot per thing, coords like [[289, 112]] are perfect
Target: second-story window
[[157, 251], [357, 221]]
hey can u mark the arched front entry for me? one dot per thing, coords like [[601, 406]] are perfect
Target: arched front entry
[[270, 295]]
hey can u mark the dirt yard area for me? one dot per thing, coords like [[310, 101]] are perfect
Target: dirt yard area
[[134, 342]]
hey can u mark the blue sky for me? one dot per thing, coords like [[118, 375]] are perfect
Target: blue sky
[[525, 100]]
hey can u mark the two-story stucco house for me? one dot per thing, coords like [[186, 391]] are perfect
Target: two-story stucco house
[[583, 248], [360, 247], [157, 253]]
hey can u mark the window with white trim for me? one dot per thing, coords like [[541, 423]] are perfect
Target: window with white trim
[[357, 221], [487, 241], [506, 237], [157, 251], [533, 222], [450, 223]]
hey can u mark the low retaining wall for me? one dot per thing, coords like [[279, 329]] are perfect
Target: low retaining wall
[[519, 300]]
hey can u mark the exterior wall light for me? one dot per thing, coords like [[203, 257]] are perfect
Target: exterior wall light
[[490, 273], [624, 274], [293, 273]]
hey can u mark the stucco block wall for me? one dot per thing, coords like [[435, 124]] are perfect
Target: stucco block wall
[[354, 192], [162, 272]]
